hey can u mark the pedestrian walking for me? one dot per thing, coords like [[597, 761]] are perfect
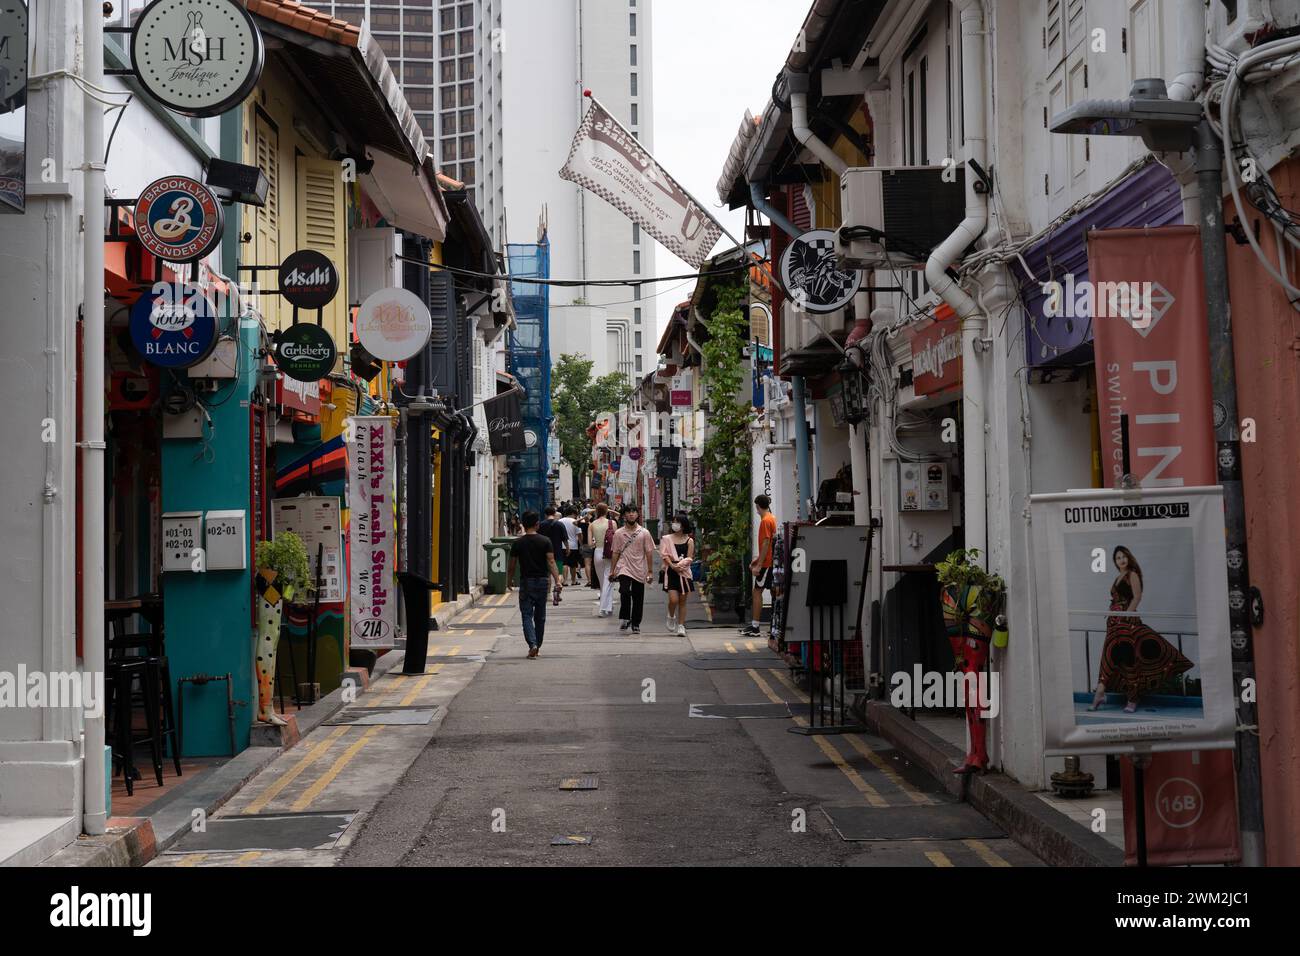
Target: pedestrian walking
[[634, 552], [761, 566], [572, 545], [585, 543], [551, 527], [677, 551], [535, 556], [601, 533]]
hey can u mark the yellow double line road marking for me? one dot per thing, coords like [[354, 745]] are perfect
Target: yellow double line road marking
[[986, 853], [292, 774], [314, 791], [860, 745], [872, 795]]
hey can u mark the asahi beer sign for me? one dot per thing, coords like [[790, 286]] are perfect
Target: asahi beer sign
[[305, 352], [308, 279], [372, 532], [608, 160], [197, 57], [812, 276], [174, 326], [178, 219]]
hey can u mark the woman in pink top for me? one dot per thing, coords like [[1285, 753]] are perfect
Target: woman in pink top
[[677, 551], [634, 552]]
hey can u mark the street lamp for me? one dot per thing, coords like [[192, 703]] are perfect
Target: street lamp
[[1166, 125]]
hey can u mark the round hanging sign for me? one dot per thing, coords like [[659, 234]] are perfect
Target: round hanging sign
[[174, 327], [305, 352], [393, 324], [197, 57], [308, 279], [811, 274], [178, 219]]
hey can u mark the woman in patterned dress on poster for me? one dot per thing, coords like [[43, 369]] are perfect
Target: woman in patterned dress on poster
[[1135, 659]]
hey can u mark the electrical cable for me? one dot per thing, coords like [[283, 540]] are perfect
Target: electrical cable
[[109, 147], [580, 283]]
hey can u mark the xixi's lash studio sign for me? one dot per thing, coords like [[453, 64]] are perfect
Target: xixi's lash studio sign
[[197, 57]]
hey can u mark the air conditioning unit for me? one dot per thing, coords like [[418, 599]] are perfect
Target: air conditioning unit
[[894, 216]]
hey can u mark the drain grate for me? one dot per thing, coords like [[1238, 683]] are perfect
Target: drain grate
[[741, 711], [946, 821], [575, 840], [269, 831], [373, 716], [585, 782]]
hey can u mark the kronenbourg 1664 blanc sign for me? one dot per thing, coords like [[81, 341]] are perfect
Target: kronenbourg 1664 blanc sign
[[1131, 595], [174, 326], [178, 219], [197, 57], [372, 532]]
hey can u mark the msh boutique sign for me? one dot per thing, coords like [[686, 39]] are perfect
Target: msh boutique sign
[[197, 57]]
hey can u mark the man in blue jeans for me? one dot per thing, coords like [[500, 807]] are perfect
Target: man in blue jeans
[[535, 556]]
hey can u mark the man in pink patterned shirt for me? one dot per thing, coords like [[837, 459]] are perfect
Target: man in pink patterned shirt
[[634, 551]]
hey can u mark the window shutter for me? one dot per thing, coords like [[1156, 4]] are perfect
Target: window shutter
[[1055, 35], [322, 226], [442, 309], [266, 232]]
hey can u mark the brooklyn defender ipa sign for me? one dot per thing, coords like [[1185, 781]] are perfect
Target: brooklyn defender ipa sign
[[178, 219], [197, 57]]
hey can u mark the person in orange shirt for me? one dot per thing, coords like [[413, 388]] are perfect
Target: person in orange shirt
[[761, 566]]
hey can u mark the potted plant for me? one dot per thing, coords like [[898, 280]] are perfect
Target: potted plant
[[723, 515], [282, 572], [971, 596]]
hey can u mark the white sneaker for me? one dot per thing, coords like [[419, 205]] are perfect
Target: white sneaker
[[681, 630], [670, 625]]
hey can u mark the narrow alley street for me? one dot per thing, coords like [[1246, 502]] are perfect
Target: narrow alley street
[[481, 784]]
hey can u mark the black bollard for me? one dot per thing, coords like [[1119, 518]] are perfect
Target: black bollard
[[415, 594]]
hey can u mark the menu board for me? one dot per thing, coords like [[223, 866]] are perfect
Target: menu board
[[316, 520]]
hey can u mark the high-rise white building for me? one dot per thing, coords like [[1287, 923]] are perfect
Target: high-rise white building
[[497, 87], [552, 51], [447, 56]]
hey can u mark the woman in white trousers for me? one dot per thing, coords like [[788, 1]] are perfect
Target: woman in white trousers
[[600, 525]]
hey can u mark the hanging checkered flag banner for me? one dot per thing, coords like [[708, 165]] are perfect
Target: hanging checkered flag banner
[[609, 161]]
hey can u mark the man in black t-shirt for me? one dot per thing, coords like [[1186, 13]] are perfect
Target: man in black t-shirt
[[535, 556]]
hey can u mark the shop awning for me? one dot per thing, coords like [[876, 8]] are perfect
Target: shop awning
[[404, 196], [347, 73]]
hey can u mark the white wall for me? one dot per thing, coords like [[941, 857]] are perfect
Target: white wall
[[543, 82]]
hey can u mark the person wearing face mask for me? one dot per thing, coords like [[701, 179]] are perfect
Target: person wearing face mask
[[677, 551], [634, 554]]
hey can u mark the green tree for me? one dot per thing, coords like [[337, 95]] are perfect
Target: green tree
[[576, 400], [723, 512]]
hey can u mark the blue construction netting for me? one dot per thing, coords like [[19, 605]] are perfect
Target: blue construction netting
[[530, 364]]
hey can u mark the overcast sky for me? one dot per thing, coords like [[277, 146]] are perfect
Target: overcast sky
[[713, 59]]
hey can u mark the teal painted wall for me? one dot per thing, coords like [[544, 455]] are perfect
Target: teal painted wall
[[209, 616], [209, 623]]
